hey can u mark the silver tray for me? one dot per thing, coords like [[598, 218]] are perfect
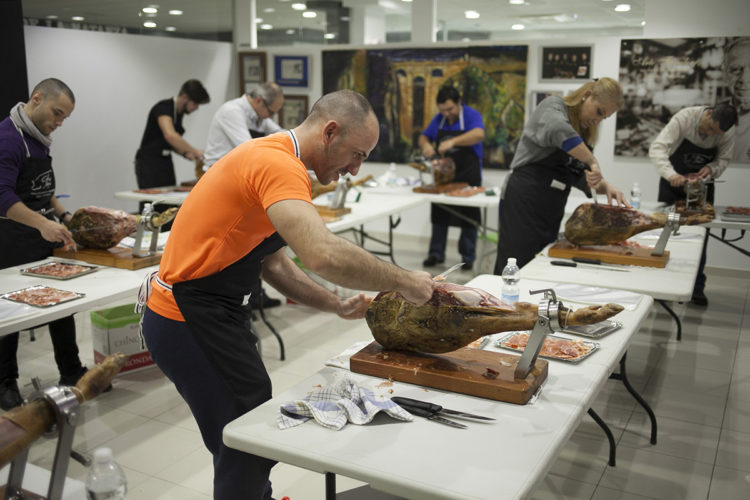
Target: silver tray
[[29, 271], [594, 347], [9, 296], [595, 331], [734, 217]]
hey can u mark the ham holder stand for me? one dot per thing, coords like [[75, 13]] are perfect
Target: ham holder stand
[[144, 223]]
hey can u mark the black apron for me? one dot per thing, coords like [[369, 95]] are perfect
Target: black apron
[[533, 206], [21, 243], [215, 311], [687, 159], [153, 163], [468, 169]]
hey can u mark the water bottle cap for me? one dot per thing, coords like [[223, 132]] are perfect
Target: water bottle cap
[[102, 455], [511, 261]]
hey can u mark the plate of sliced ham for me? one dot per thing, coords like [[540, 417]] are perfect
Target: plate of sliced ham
[[554, 347], [41, 296], [58, 270]]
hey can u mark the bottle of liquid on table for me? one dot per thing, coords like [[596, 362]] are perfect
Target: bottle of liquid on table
[[511, 276], [106, 479], [635, 196]]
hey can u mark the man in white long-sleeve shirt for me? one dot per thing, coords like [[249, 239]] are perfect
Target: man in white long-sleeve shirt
[[697, 141], [235, 122], [242, 119]]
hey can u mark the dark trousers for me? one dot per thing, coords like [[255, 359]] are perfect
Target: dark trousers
[[63, 334], [184, 360], [700, 279], [467, 242]]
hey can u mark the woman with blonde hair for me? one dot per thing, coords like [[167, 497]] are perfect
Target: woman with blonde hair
[[554, 154]]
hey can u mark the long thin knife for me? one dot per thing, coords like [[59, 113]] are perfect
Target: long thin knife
[[588, 263], [441, 276]]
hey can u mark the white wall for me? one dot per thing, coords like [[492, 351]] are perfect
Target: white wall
[[116, 79]]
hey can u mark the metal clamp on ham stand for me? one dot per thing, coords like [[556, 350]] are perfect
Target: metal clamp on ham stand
[[548, 316], [65, 405], [145, 223], [671, 227]]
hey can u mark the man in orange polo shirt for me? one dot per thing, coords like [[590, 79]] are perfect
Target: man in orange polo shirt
[[232, 229]]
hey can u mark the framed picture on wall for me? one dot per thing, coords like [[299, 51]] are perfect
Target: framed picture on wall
[[291, 71], [293, 112], [252, 70], [537, 96], [566, 63]]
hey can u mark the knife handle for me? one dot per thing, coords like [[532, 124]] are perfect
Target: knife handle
[[584, 260], [416, 404], [563, 263]]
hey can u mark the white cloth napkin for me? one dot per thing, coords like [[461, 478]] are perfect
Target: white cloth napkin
[[583, 294], [333, 407]]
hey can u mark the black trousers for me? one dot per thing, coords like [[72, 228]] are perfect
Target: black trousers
[[63, 334]]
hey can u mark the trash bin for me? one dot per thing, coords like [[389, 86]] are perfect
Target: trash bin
[[116, 330]]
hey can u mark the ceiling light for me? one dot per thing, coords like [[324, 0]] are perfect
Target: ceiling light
[[149, 24], [516, 2], [269, 9], [471, 14], [310, 14], [290, 31], [517, 27], [258, 20], [406, 0], [77, 18], [266, 26], [299, 6], [150, 10], [344, 18], [623, 7], [643, 23], [175, 12], [52, 16], [329, 36], [170, 28]]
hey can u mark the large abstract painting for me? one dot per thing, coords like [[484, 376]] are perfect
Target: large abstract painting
[[662, 76], [402, 85]]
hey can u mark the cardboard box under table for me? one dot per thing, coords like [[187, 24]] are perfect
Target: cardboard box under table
[[116, 330]]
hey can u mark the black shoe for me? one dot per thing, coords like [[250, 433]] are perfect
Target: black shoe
[[10, 396], [263, 300], [468, 266], [699, 298], [431, 261], [72, 380]]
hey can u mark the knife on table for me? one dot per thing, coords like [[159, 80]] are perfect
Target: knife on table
[[584, 262], [431, 410]]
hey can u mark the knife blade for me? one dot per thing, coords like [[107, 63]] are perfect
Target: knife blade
[[408, 404], [430, 415], [441, 276], [593, 264]]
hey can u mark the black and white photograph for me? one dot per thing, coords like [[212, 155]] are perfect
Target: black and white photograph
[[566, 63], [252, 70], [661, 76], [293, 112]]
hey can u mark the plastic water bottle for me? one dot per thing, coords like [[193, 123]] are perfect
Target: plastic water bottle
[[105, 480], [511, 277], [635, 196]]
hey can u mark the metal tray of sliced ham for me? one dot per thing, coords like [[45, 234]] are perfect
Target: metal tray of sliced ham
[[41, 296], [56, 270], [554, 347]]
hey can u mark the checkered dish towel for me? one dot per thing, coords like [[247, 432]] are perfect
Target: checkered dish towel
[[334, 406]]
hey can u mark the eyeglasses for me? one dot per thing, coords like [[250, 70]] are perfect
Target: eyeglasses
[[268, 108]]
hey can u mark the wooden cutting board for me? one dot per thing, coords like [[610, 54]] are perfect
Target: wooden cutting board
[[440, 188], [610, 254], [463, 371], [113, 257], [332, 212]]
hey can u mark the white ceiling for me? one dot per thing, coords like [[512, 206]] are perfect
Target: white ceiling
[[584, 17]]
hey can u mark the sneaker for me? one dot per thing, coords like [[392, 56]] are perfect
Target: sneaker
[[432, 261], [10, 396], [699, 298], [263, 300], [468, 266]]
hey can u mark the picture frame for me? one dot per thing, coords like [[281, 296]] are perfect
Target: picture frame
[[566, 63], [293, 112], [291, 71], [251, 69], [537, 96]]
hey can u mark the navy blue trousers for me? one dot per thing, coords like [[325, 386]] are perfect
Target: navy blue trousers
[[186, 362], [467, 242]]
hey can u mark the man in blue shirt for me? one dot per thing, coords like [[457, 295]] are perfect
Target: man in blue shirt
[[457, 131]]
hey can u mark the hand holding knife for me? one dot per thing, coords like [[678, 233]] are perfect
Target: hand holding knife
[[435, 412]]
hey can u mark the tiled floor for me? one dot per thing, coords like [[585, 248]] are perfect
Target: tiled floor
[[699, 389]]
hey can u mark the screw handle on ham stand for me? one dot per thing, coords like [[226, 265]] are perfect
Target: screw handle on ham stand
[[66, 406], [545, 324], [144, 224], [671, 227], [339, 195]]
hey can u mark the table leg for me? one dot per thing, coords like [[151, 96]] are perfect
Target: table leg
[[364, 235], [273, 330], [608, 432], [624, 378], [676, 318], [330, 486], [727, 242]]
